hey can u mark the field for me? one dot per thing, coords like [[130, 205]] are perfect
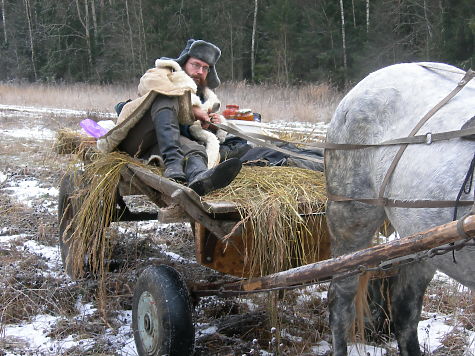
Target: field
[[44, 312]]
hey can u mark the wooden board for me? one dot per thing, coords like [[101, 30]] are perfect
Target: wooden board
[[230, 257]]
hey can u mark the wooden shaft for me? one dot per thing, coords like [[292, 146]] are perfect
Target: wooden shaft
[[369, 257]]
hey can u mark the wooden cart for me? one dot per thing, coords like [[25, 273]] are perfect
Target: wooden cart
[[162, 311], [221, 243]]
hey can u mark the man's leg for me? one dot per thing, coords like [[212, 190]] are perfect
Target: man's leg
[[167, 130], [201, 179]]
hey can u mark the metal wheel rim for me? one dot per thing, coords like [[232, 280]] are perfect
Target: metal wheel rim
[[148, 323]]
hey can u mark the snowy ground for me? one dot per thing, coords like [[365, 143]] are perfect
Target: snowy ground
[[35, 288]]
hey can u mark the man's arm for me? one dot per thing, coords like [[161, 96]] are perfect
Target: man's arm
[[205, 118]]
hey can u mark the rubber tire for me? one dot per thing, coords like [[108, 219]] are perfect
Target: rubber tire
[[67, 209], [162, 319]]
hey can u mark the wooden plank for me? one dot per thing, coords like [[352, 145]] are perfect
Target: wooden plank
[[157, 182], [168, 187], [219, 207], [223, 256], [137, 185], [220, 228], [369, 257]]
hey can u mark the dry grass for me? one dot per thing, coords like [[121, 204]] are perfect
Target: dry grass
[[311, 102], [270, 200], [97, 203], [86, 97]]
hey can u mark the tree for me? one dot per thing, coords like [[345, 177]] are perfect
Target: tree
[[28, 15], [4, 18], [343, 38], [254, 25]]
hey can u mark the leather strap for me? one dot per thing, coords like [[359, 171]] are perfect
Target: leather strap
[[381, 200], [260, 142], [418, 139], [466, 78], [397, 203], [264, 140]]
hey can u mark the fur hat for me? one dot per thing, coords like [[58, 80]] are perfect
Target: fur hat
[[206, 52]]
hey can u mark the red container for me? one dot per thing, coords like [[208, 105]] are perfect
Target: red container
[[230, 111], [245, 114]]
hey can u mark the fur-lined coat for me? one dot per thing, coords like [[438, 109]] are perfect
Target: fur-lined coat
[[167, 78]]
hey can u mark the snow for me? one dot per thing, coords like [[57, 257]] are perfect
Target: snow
[[35, 133], [51, 111], [28, 191]]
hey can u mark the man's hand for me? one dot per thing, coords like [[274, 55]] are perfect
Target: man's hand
[[206, 118], [202, 116]]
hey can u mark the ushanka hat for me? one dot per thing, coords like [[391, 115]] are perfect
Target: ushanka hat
[[205, 51]]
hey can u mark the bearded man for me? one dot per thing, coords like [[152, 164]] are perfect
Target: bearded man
[[172, 119]]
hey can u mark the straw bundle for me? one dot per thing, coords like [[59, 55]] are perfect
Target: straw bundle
[[271, 200], [72, 142], [89, 239]]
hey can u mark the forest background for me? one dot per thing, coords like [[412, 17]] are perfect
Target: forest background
[[262, 41]]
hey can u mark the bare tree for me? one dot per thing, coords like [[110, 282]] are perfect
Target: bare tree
[[4, 18], [342, 10], [253, 42], [231, 46], [94, 20], [367, 16], [87, 34], [354, 16], [131, 39], [142, 36], [30, 32]]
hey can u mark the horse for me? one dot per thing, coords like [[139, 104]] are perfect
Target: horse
[[388, 104]]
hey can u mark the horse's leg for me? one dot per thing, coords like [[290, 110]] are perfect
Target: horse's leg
[[351, 225], [407, 292]]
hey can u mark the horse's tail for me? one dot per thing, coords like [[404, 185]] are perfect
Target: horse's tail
[[372, 307], [362, 311]]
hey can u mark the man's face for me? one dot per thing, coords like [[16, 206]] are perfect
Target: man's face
[[197, 70]]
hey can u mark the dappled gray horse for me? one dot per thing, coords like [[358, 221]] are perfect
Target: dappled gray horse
[[386, 105]]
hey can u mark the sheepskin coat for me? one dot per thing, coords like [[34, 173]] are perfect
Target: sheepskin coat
[[167, 78]]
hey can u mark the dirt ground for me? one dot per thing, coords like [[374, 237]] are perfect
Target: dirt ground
[[33, 284]]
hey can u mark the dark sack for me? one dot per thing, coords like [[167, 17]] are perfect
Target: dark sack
[[262, 156]]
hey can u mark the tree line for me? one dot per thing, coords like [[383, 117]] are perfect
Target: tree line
[[278, 41]]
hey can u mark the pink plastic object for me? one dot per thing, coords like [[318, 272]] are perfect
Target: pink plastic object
[[93, 128]]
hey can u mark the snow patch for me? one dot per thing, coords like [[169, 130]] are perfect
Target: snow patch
[[34, 132]]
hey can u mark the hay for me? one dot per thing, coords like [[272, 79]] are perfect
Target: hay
[[89, 239], [271, 200], [72, 142]]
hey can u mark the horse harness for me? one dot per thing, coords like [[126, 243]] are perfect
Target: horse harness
[[413, 139], [469, 132]]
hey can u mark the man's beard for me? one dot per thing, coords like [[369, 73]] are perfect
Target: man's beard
[[199, 82]]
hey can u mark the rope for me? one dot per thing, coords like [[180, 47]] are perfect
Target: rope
[[466, 187]]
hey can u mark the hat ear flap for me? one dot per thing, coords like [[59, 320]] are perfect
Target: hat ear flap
[[185, 54]]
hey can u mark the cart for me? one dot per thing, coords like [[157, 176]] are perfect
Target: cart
[[162, 312]]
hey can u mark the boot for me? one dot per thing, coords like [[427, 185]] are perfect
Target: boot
[[203, 180], [167, 131]]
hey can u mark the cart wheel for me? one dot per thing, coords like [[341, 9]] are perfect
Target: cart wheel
[[67, 209], [161, 314]]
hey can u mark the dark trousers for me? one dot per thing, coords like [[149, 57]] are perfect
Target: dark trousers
[[141, 141]]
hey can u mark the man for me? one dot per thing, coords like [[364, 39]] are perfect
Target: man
[[176, 106]]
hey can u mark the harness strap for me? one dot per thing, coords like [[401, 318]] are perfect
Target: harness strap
[[265, 140], [466, 78], [397, 203], [418, 139], [261, 142]]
